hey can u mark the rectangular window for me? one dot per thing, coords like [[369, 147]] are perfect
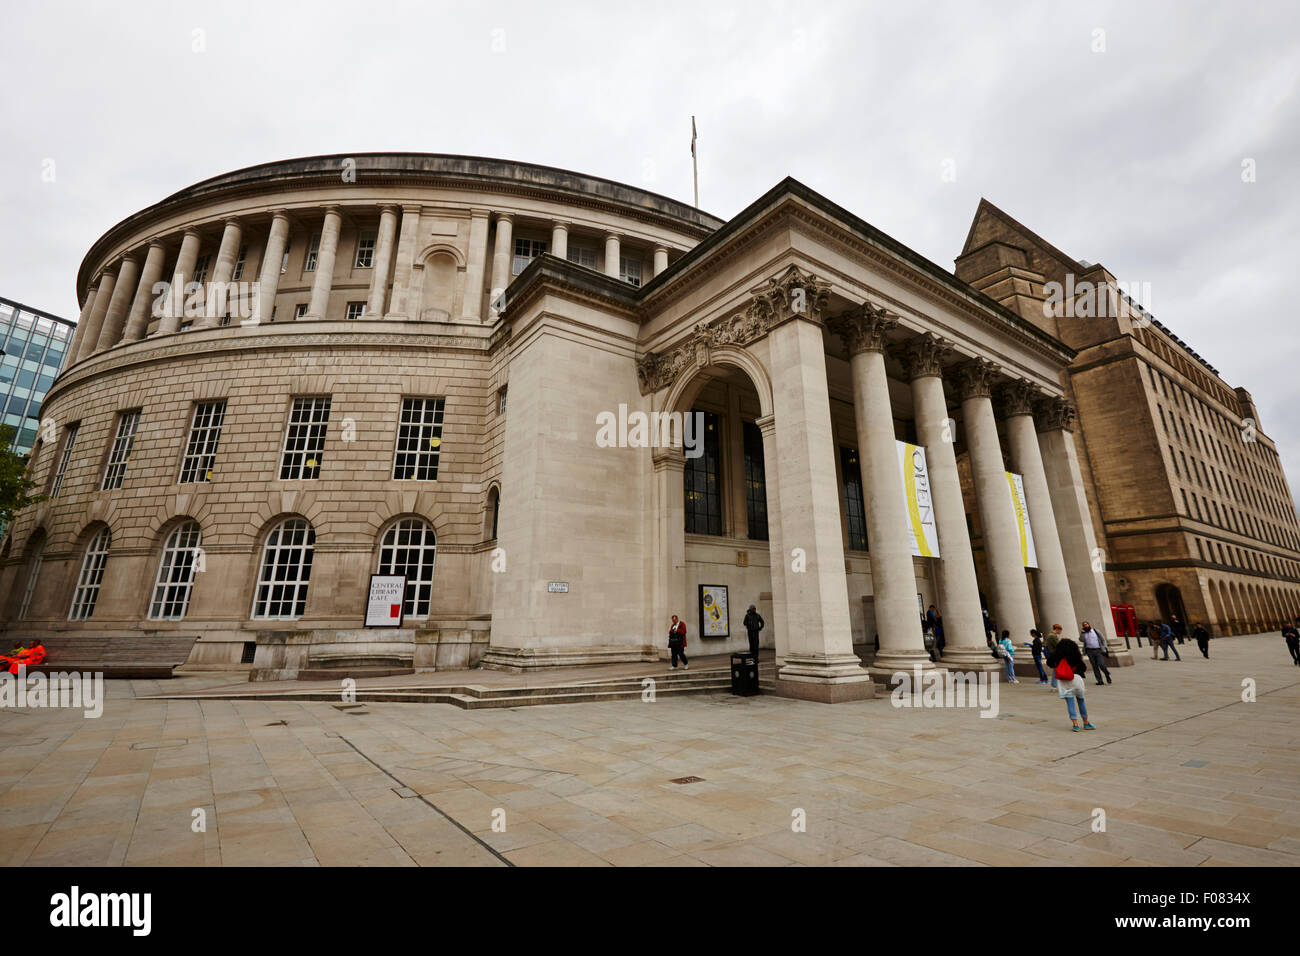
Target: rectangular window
[[854, 509], [69, 441], [239, 264], [526, 250], [201, 268], [284, 262], [300, 310], [582, 256], [313, 250], [703, 481], [355, 310], [120, 454], [201, 448], [366, 251], [755, 483], [304, 438], [501, 400], [419, 440], [629, 270]]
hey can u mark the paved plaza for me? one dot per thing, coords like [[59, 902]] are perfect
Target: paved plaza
[[1186, 772]]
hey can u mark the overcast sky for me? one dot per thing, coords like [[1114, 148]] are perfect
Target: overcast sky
[[1130, 156]]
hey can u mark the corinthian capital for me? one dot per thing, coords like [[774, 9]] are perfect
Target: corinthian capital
[[862, 328], [974, 378], [1019, 397], [1054, 414], [790, 295], [923, 355]]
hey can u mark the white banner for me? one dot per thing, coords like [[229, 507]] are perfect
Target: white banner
[[1016, 488], [917, 500], [384, 602]]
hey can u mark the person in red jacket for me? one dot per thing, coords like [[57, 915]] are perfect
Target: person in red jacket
[[26, 658], [677, 642]]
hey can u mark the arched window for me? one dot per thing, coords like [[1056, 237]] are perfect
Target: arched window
[[92, 575], [176, 567], [408, 548], [36, 552], [285, 571], [493, 512]]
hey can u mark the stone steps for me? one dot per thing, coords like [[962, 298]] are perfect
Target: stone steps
[[476, 697]]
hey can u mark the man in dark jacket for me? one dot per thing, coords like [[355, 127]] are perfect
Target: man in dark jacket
[[1202, 637], [1292, 635], [753, 624], [1178, 627]]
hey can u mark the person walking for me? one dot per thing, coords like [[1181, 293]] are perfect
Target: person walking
[[1292, 636], [1178, 627], [1049, 645], [1202, 637], [677, 642], [753, 624], [1036, 648], [1067, 664], [939, 642], [1008, 653], [1167, 642], [1156, 640], [1095, 647]]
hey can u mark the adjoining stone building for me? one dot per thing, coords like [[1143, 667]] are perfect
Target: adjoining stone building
[[421, 387], [1186, 491]]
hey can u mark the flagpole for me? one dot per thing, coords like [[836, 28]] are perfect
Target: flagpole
[[695, 167]]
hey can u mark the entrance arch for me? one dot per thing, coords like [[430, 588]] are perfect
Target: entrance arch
[[1170, 601]]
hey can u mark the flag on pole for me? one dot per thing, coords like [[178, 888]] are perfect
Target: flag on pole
[[692, 137]]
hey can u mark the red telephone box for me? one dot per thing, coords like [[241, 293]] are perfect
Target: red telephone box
[[1125, 619]]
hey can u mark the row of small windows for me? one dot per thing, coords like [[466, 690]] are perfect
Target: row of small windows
[[1243, 558], [526, 250], [283, 575], [415, 458]]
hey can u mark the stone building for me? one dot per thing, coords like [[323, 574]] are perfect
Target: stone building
[[1187, 492], [441, 368]]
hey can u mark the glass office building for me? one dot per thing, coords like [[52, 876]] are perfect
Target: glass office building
[[34, 344]]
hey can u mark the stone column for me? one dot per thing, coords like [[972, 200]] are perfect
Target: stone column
[[1085, 564], [217, 294], [329, 247], [111, 331], [268, 280], [501, 258], [383, 263], [1054, 602], [83, 322], [669, 582], [560, 240], [475, 268], [661, 259], [777, 557], [407, 237], [1011, 607], [893, 576], [959, 594], [95, 321], [819, 659], [137, 322], [611, 254], [185, 262]]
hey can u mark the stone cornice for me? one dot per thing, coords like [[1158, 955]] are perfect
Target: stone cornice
[[794, 294]]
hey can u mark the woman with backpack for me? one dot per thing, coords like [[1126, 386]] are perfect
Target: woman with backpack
[[1067, 664], [1007, 652]]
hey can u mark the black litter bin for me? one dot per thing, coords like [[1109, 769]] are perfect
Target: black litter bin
[[744, 675]]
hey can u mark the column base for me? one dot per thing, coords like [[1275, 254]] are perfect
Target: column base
[[889, 662], [970, 659], [1120, 657], [827, 679]]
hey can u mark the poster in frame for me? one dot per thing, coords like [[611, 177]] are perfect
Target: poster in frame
[[714, 619]]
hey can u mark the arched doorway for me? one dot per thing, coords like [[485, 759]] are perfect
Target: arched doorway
[[1170, 601], [726, 532]]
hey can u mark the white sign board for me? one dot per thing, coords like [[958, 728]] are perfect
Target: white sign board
[[384, 603], [917, 500]]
